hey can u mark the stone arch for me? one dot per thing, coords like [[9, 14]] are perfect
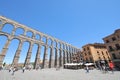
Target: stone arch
[[37, 37], [29, 34], [50, 42], [58, 45], [8, 28], [11, 51], [54, 43], [24, 50], [19, 31], [44, 38], [33, 54]]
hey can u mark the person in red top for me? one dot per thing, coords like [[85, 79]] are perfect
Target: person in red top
[[111, 65]]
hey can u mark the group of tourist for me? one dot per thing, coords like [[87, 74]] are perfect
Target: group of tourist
[[103, 67]]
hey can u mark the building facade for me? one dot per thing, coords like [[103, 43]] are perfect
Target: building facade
[[77, 58], [112, 43], [95, 52]]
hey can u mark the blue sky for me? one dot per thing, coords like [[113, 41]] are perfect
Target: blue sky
[[77, 22]]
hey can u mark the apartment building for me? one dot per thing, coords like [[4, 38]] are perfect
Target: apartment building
[[95, 52], [112, 43]]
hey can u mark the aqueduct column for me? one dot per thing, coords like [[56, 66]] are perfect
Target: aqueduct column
[[1, 26], [4, 50], [61, 56], [45, 60], [13, 31], [52, 56], [37, 59], [27, 60], [17, 54]]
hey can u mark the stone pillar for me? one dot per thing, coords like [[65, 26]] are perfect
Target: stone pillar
[[27, 60], [52, 58], [57, 56], [1, 26], [24, 32], [13, 31], [64, 57], [4, 50], [67, 56], [33, 36], [65, 51], [55, 64], [45, 60], [37, 59], [17, 54], [61, 57], [70, 54]]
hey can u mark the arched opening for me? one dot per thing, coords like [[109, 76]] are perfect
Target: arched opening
[[49, 42], [29, 34], [58, 45], [19, 31], [37, 37], [7, 28], [44, 39], [11, 51], [24, 51], [33, 54], [54, 44], [2, 41]]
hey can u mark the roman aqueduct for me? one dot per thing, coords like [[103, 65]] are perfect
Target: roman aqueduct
[[59, 52]]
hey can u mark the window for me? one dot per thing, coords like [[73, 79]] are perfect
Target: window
[[110, 48], [118, 36], [91, 60], [114, 56], [89, 53], [99, 58], [84, 49], [107, 41], [102, 53], [87, 48], [117, 46], [106, 52], [113, 38], [104, 57]]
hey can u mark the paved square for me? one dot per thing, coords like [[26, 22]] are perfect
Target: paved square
[[62, 74]]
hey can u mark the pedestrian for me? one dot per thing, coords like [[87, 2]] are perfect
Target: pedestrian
[[23, 69], [111, 66], [13, 71], [87, 69], [10, 69]]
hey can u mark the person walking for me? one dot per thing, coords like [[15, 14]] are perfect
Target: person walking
[[111, 66], [23, 69], [87, 69], [13, 70]]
